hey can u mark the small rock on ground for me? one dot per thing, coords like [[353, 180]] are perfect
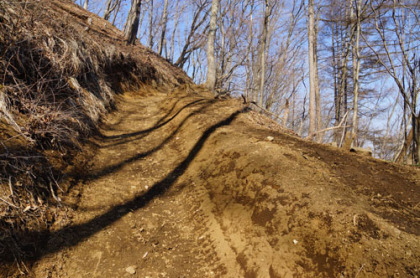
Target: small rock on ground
[[131, 269]]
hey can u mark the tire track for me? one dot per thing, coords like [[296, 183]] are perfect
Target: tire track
[[211, 240]]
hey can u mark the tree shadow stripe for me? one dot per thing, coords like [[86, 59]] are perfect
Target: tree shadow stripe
[[73, 235]]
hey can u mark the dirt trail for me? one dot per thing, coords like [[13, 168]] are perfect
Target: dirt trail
[[123, 218], [183, 185]]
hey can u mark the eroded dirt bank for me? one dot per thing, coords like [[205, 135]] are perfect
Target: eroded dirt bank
[[187, 186]]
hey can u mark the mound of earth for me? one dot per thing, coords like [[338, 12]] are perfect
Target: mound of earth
[[184, 185]]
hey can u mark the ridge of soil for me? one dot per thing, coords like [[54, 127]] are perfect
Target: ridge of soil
[[183, 185]]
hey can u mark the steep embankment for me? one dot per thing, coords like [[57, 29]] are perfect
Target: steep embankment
[[187, 186], [61, 68]]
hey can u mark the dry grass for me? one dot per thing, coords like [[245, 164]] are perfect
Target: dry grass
[[60, 68]]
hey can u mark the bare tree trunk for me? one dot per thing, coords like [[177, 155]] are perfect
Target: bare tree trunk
[[110, 7], [317, 90], [286, 113], [337, 102], [221, 65], [132, 24], [345, 37], [410, 65], [211, 61], [150, 40], [116, 12], [416, 148], [415, 118], [192, 43], [249, 91], [356, 69], [388, 125], [175, 28], [263, 51], [293, 112], [401, 156], [312, 69], [164, 23], [303, 117], [86, 4], [141, 21]]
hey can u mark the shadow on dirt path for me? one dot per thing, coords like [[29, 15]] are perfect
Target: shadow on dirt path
[[163, 121], [75, 234], [188, 186], [112, 168]]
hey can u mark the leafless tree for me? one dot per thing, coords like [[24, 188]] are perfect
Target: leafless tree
[[164, 24], [312, 67], [151, 25], [211, 58], [356, 66], [260, 50], [395, 47], [111, 5], [132, 24], [193, 41], [263, 48]]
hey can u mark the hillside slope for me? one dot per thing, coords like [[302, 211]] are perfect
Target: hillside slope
[[61, 70], [187, 186], [175, 183]]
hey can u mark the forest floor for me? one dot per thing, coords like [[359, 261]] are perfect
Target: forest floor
[[185, 185]]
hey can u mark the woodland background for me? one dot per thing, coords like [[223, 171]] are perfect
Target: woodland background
[[329, 70]]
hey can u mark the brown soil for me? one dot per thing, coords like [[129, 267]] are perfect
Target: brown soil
[[183, 185]]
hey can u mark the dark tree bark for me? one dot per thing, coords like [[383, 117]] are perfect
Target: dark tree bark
[[164, 23], [132, 24], [151, 36]]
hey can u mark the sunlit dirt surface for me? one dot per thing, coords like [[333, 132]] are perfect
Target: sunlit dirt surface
[[185, 185]]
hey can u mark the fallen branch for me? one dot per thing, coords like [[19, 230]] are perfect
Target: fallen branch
[[340, 125], [330, 128], [265, 110]]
